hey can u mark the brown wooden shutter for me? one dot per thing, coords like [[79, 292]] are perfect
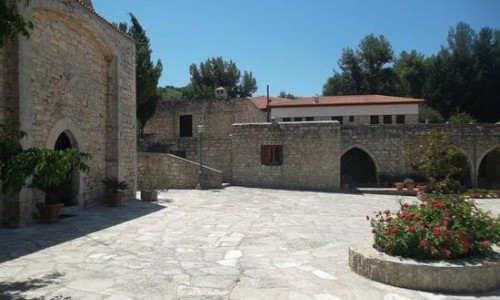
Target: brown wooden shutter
[[265, 154]]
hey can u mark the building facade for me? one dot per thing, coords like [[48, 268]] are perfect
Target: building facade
[[71, 84]]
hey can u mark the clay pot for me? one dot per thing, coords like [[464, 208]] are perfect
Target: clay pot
[[49, 213], [115, 199]]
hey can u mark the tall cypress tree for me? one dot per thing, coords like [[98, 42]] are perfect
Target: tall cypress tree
[[11, 22]]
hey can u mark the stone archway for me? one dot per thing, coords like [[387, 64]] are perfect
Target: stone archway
[[489, 170], [66, 135], [359, 165]]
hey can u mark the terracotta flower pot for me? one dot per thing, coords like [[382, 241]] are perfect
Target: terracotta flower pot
[[149, 196], [49, 213], [399, 186], [115, 199]]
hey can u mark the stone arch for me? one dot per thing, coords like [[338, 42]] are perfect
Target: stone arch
[[67, 128], [358, 163], [488, 168], [465, 162]]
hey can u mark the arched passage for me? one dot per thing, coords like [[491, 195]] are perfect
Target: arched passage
[[489, 170], [71, 188], [359, 167]]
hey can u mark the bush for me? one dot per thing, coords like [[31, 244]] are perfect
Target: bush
[[446, 228]]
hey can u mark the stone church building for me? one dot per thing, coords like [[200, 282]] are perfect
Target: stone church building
[[71, 84]]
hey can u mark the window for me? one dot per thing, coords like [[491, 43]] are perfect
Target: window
[[287, 119], [297, 119], [374, 120], [339, 119], [271, 155], [400, 119], [186, 126], [351, 118], [309, 118], [387, 119]]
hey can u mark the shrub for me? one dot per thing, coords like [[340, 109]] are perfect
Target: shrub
[[446, 228]]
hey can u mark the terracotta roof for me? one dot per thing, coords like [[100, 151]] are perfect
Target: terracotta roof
[[261, 101], [346, 100]]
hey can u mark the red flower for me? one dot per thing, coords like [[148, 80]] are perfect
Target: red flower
[[387, 212], [436, 232], [486, 244], [374, 230], [405, 205], [445, 251], [407, 215], [445, 220], [423, 243], [411, 228]]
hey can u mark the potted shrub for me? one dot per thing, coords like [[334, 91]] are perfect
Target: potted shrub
[[399, 186], [409, 183], [151, 180], [114, 190], [51, 173]]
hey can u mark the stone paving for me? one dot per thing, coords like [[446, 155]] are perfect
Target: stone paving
[[234, 243]]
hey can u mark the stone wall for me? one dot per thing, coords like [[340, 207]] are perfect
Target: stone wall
[[75, 74], [311, 155], [181, 173], [216, 115]]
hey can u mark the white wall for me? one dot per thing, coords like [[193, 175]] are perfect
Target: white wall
[[346, 110]]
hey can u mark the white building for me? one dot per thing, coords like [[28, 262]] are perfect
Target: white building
[[348, 110]]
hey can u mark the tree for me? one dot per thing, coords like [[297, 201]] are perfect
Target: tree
[[410, 73], [284, 94], [461, 118], [216, 72], [147, 73], [11, 22], [363, 71]]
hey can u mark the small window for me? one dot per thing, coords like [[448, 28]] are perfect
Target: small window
[[351, 118], [309, 118], [186, 126], [400, 119], [297, 119], [374, 120], [271, 155], [387, 119], [287, 119], [339, 119]]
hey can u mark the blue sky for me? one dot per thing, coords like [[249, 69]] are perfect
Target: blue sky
[[292, 45]]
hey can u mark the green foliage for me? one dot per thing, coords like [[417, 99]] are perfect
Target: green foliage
[[410, 71], [11, 22], [432, 157], [10, 135], [364, 71], [216, 72], [147, 73], [114, 185], [437, 229], [461, 118], [429, 114], [170, 93], [408, 180], [284, 94], [152, 177]]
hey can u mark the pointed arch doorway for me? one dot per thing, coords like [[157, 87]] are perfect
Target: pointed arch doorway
[[72, 186]]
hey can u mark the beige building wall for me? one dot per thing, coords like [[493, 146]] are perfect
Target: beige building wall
[[75, 74]]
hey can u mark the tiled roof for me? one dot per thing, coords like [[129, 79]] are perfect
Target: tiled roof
[[261, 101], [345, 100]]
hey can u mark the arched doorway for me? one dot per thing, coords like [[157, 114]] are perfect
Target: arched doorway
[[69, 189], [359, 167], [489, 170]]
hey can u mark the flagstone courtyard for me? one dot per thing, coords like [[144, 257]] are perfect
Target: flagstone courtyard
[[233, 243]]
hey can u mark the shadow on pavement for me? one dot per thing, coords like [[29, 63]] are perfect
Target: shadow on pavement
[[19, 242]]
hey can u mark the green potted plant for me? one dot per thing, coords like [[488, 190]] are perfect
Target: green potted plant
[[409, 183], [114, 190], [346, 181], [151, 180], [51, 173]]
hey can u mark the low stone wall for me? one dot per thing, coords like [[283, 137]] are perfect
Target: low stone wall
[[462, 276], [181, 173]]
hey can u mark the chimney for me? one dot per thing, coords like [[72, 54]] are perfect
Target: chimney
[[221, 93], [316, 99]]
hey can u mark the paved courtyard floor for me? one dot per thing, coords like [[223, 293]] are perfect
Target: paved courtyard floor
[[234, 243]]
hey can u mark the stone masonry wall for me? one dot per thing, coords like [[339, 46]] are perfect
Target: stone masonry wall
[[311, 155], [386, 144], [216, 115], [75, 74], [181, 173]]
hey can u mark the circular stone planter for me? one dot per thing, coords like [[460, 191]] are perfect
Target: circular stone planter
[[459, 276]]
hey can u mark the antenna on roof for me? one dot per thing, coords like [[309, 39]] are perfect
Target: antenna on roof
[[267, 106]]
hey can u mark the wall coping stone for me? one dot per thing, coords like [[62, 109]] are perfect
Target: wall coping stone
[[458, 276]]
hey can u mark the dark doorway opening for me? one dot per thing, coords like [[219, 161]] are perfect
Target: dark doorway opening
[[359, 166], [186, 126], [489, 171], [68, 188]]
